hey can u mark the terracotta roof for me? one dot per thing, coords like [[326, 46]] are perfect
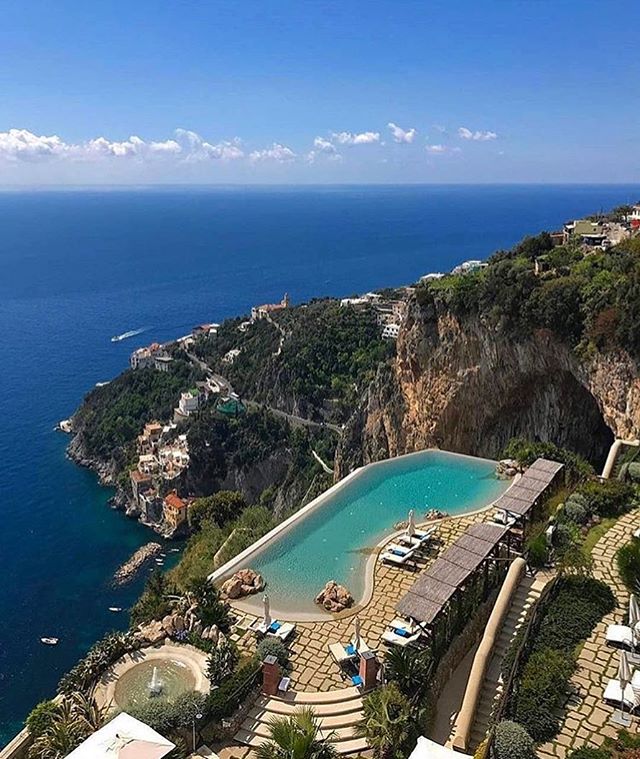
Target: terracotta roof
[[137, 475], [173, 501]]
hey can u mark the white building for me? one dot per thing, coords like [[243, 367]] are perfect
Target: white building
[[431, 276], [467, 267], [144, 357], [390, 331], [162, 362], [189, 402], [231, 356]]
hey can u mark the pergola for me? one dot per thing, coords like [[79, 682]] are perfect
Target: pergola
[[437, 596]]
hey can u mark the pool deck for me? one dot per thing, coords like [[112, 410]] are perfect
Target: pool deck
[[312, 668]]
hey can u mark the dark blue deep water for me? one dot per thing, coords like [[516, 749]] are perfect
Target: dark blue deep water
[[77, 267]]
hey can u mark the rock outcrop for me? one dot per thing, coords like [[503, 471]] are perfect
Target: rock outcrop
[[244, 582], [334, 597], [465, 386], [132, 566]]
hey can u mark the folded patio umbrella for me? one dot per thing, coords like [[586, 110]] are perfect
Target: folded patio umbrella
[[634, 611], [267, 611], [411, 527]]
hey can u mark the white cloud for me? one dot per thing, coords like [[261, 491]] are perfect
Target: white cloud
[[323, 145], [441, 149], [198, 149], [277, 152], [22, 145], [351, 138], [467, 134], [400, 134]]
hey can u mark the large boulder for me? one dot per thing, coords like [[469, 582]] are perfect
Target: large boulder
[[153, 632], [244, 582], [334, 597]]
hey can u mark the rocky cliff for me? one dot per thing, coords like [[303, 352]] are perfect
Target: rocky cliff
[[463, 385]]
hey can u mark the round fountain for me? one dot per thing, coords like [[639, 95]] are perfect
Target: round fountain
[[158, 674]]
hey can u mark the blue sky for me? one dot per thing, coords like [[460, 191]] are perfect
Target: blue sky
[[304, 91]]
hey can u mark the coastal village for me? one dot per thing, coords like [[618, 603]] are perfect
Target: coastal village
[[506, 629]]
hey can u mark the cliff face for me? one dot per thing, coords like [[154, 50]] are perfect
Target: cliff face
[[464, 386]]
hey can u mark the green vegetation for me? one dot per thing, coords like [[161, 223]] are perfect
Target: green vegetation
[[41, 717], [590, 301], [61, 728], [566, 617], [628, 560], [223, 701], [167, 716], [512, 741], [112, 416], [327, 358], [273, 647], [296, 737], [411, 670], [222, 662], [387, 723], [526, 452]]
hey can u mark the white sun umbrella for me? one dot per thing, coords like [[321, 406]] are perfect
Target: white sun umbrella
[[411, 526], [267, 611], [356, 633], [634, 611], [624, 678]]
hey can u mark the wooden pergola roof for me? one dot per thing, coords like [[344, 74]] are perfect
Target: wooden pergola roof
[[523, 495], [435, 587]]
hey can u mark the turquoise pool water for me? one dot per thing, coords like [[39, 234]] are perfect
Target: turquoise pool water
[[334, 541]]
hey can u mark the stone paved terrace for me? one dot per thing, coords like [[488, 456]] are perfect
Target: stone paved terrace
[[312, 667], [588, 718]]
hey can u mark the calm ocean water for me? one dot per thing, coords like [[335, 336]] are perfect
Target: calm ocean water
[[78, 267]]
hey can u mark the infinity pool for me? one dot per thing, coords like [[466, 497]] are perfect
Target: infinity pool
[[334, 540]]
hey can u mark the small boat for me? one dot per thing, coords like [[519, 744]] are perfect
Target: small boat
[[115, 608], [102, 384], [174, 550], [50, 641]]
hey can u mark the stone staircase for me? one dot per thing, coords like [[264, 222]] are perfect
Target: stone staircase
[[336, 712], [524, 597]]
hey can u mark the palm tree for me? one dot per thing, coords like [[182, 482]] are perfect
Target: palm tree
[[296, 737], [411, 670], [387, 723]]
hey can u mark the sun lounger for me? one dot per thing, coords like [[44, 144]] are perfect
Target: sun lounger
[[281, 630], [401, 633], [276, 629], [620, 635], [395, 554], [419, 537], [613, 694], [342, 654]]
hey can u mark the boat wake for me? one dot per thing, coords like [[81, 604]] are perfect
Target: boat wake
[[127, 335]]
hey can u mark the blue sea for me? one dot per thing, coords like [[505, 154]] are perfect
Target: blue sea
[[77, 267]]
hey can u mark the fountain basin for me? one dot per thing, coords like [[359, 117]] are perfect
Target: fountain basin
[[178, 669]]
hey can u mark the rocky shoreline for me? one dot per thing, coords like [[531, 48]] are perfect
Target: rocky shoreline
[[132, 566]]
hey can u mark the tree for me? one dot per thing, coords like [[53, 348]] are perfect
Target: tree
[[410, 669], [296, 737], [220, 508], [387, 723]]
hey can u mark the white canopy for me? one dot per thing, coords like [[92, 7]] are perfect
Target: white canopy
[[123, 738], [427, 749]]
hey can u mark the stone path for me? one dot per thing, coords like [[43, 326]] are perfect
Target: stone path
[[587, 720]]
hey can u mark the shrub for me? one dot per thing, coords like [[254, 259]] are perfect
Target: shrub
[[526, 452], [542, 692], [41, 717], [628, 560], [575, 511], [222, 661], [223, 701], [220, 508], [165, 716], [578, 604], [608, 498], [273, 647], [588, 752], [512, 741], [537, 550]]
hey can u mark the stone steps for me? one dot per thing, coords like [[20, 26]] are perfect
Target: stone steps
[[337, 712]]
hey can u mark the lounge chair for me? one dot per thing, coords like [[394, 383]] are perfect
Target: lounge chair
[[620, 635], [401, 633], [613, 693], [281, 630], [276, 629], [419, 537], [342, 654], [395, 554]]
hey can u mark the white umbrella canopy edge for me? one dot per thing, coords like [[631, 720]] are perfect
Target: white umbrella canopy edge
[[123, 730]]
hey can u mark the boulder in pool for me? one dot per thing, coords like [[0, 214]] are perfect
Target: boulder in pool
[[244, 582], [334, 597]]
